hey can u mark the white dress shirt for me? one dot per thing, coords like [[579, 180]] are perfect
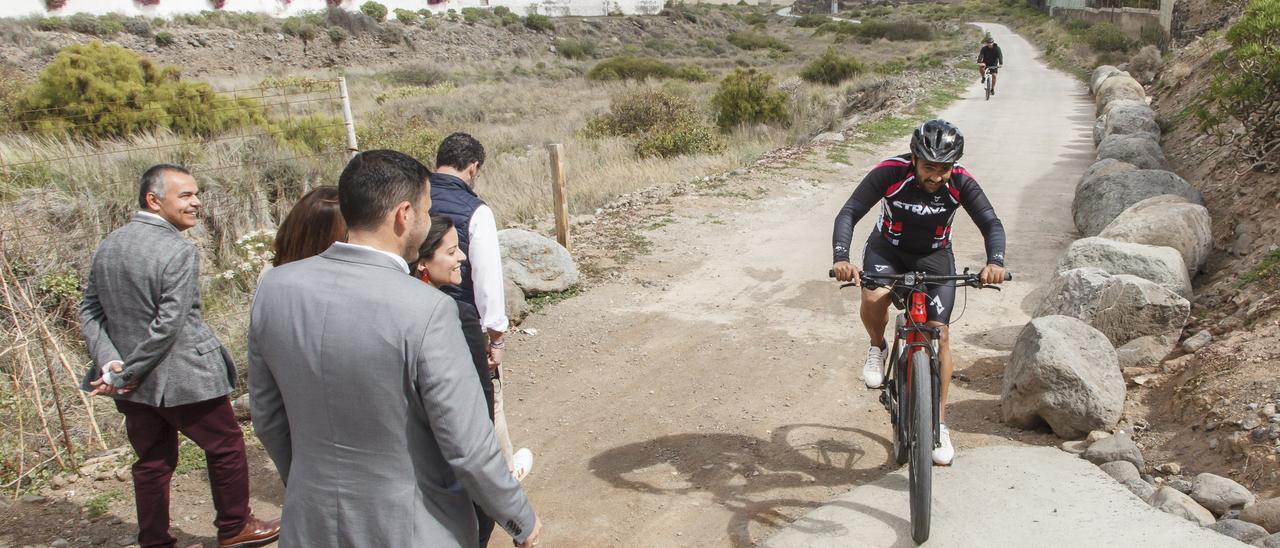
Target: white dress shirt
[[404, 265], [486, 270]]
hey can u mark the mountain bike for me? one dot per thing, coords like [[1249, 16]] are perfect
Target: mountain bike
[[988, 82], [914, 405]]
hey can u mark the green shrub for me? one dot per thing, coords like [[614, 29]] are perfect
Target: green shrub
[[84, 23], [51, 23], [633, 113], [374, 10], [472, 16], [413, 137], [1106, 37], [405, 16], [693, 73], [575, 49], [164, 39], [137, 26], [831, 68], [678, 138], [812, 20], [753, 41], [301, 29], [337, 35], [630, 68], [748, 97], [1249, 90], [540, 23], [310, 134], [99, 91], [662, 122], [420, 75]]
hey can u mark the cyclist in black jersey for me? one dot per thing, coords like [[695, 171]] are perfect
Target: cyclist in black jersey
[[989, 55], [918, 194]]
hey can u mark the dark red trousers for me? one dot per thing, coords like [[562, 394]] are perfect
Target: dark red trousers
[[153, 432]]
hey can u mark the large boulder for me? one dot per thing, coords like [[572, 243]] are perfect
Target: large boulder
[[1145, 351], [1159, 264], [1102, 198], [1265, 513], [1132, 105], [1104, 167], [1168, 220], [535, 262], [1099, 74], [1117, 87], [1121, 306], [1174, 502], [517, 307], [1242, 531], [1141, 150], [1063, 373], [1220, 494], [1117, 447], [1099, 129], [1131, 121], [1121, 470]]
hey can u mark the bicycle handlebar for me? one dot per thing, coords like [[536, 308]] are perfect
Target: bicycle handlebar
[[874, 281]]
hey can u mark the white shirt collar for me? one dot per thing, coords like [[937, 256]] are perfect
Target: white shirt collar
[[157, 217], [404, 265]]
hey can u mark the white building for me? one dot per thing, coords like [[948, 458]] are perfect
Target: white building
[[283, 8]]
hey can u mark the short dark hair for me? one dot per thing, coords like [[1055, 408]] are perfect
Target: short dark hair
[[458, 151], [312, 226], [440, 226], [375, 181], [152, 181]]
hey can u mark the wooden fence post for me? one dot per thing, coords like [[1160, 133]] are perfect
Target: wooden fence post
[[560, 201]]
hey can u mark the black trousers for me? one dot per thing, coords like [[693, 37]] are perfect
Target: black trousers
[[478, 343]]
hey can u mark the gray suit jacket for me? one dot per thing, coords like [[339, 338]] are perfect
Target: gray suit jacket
[[142, 307], [364, 394]]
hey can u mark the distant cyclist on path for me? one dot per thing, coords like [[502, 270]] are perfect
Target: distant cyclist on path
[[989, 55], [918, 194]]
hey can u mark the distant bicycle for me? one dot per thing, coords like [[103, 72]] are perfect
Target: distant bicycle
[[911, 387], [988, 82]]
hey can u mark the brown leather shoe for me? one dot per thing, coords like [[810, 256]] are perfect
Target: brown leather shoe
[[255, 533]]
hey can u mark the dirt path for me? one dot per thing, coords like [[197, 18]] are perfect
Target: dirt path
[[710, 396]]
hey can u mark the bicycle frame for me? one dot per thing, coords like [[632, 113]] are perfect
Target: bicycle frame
[[912, 335]]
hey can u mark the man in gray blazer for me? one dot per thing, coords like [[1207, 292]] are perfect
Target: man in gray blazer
[[155, 355], [362, 386]]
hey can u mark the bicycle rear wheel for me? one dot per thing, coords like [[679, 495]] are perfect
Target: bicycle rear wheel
[[921, 424]]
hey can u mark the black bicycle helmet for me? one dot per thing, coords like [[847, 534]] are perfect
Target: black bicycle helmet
[[937, 141]]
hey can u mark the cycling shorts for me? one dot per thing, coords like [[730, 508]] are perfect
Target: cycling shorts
[[994, 69], [879, 257]]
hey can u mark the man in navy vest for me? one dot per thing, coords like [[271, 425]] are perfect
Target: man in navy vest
[[458, 162]]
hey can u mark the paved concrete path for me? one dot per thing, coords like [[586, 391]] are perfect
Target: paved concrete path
[[1029, 144], [1001, 496]]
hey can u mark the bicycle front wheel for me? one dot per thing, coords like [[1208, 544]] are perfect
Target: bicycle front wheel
[[921, 468]]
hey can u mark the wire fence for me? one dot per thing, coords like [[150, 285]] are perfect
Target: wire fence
[[61, 195]]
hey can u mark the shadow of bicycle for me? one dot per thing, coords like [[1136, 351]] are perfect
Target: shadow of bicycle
[[741, 472]]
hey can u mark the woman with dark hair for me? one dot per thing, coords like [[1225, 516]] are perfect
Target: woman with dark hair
[[314, 223]]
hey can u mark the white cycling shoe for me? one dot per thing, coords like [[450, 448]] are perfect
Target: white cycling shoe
[[872, 374], [944, 453]]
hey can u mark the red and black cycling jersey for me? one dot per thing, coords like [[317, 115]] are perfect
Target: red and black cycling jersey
[[912, 219]]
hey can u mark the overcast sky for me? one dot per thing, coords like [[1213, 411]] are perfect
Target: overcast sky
[[19, 8]]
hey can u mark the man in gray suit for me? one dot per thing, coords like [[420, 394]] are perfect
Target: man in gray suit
[[362, 386], [168, 373]]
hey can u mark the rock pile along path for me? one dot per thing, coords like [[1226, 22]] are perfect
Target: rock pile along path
[[710, 395]]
